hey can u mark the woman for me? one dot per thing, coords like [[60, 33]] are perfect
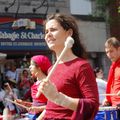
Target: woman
[[24, 84], [72, 90], [39, 64], [99, 73], [101, 83]]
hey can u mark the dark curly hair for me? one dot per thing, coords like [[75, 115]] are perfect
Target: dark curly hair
[[69, 22]]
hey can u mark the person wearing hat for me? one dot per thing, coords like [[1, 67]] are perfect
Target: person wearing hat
[[39, 64]]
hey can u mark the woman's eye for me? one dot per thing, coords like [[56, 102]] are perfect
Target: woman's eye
[[46, 32], [53, 29]]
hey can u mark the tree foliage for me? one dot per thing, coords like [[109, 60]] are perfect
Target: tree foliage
[[103, 4]]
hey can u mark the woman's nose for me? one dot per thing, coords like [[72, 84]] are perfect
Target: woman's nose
[[49, 34]]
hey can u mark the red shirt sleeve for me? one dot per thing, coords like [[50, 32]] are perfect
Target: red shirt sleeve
[[87, 108]]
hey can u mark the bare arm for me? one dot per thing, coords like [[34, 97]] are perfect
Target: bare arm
[[58, 97], [37, 108]]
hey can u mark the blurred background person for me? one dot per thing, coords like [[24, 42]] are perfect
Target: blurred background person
[[24, 85], [11, 74], [99, 73], [10, 94], [2, 94], [101, 83]]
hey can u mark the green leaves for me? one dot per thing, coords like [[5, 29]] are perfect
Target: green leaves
[[119, 9]]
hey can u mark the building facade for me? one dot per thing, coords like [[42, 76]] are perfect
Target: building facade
[[93, 29]]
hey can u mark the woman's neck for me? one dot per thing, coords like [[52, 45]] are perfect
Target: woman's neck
[[68, 55], [41, 76]]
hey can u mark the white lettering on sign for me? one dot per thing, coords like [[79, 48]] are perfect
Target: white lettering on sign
[[39, 44], [22, 44], [23, 35], [6, 43], [25, 44], [31, 35], [12, 36]]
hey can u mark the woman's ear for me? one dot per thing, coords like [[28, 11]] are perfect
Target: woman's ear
[[70, 32]]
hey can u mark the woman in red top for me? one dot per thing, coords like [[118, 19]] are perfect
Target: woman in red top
[[39, 65], [24, 84], [71, 90]]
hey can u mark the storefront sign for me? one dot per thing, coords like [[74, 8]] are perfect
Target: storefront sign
[[22, 39]]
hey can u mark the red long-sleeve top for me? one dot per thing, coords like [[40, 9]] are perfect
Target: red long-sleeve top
[[75, 79]]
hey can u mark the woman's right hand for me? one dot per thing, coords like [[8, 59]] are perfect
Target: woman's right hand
[[18, 101], [22, 102]]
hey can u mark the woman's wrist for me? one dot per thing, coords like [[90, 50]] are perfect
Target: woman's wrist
[[65, 101]]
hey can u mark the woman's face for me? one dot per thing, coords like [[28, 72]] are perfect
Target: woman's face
[[99, 74], [55, 35], [33, 68], [25, 73]]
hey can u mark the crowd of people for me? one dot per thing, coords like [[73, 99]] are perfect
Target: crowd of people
[[74, 89]]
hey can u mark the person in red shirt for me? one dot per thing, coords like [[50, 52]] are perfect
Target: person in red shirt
[[112, 49], [72, 89], [39, 65], [24, 84]]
